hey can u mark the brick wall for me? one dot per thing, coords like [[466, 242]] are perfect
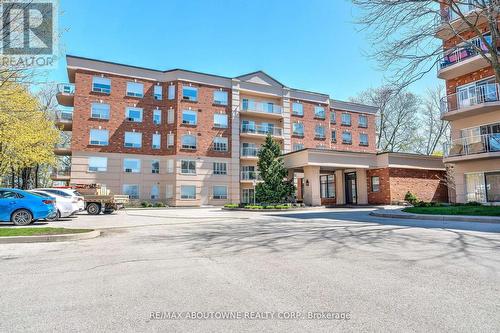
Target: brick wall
[[383, 196]]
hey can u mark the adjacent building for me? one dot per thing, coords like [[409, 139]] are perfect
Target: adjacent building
[[472, 106]]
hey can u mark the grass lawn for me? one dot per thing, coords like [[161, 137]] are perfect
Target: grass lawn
[[456, 210], [16, 231]]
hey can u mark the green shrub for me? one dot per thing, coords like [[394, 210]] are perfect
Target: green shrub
[[411, 198], [282, 206], [159, 204], [231, 205], [269, 207], [144, 204], [253, 207], [473, 204]]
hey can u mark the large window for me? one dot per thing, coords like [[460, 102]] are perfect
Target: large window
[[375, 183], [220, 144], [133, 114], [220, 120], [188, 167], [156, 142], [189, 93], [158, 92], [170, 116], [319, 112], [189, 117], [170, 166], [132, 165], [188, 141], [171, 92], [327, 186], [101, 84], [297, 109], [492, 186], [157, 117], [347, 138], [220, 97], [155, 192], [99, 137], [219, 192], [475, 187], [334, 136], [133, 139], [131, 190], [363, 139], [155, 166], [220, 168], [333, 117], [170, 140], [100, 111], [188, 192], [98, 164], [248, 195], [363, 121], [135, 89], [346, 119], [298, 129], [319, 132]]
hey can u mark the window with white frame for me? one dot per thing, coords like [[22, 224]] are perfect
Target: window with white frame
[[155, 166], [362, 121], [99, 137], [155, 192], [334, 136], [297, 109], [157, 117], [319, 131], [333, 117], [133, 114], [219, 192], [170, 116], [169, 191], [101, 84], [188, 192], [100, 111], [189, 117], [346, 119], [297, 146], [188, 167], [158, 92], [220, 168], [135, 89], [220, 144], [189, 93], [375, 182], [170, 166], [132, 190], [171, 92], [156, 142], [133, 140], [298, 129], [347, 138], [97, 164], [131, 165], [170, 140], [188, 141], [220, 97], [319, 112], [363, 139], [220, 120]]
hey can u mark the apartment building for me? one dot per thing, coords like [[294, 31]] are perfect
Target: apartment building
[[472, 106], [192, 138]]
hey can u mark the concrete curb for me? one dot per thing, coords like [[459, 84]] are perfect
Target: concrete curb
[[273, 210], [50, 238], [444, 218]]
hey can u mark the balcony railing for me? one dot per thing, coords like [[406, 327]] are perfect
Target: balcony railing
[[485, 143], [66, 88], [261, 129], [460, 54], [249, 152], [250, 175], [466, 7], [262, 107], [64, 116], [63, 145], [485, 93], [61, 173]]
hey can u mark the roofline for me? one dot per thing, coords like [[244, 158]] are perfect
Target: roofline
[[416, 155], [261, 71], [318, 150]]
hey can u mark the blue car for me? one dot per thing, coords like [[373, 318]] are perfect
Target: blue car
[[22, 208]]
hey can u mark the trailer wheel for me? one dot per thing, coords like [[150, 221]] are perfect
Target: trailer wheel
[[93, 208]]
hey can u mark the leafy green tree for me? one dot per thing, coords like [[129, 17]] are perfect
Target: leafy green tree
[[274, 188]]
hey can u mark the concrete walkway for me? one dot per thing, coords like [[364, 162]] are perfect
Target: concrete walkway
[[399, 214]]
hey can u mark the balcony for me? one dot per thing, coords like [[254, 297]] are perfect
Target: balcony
[[250, 176], [268, 110], [60, 175], [475, 100], [461, 61], [260, 131], [63, 149], [66, 94], [64, 119], [249, 153], [450, 23], [474, 147]]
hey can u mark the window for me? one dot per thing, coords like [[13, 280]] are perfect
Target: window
[[363, 121], [333, 117], [375, 182], [188, 141], [334, 136], [156, 142], [157, 117], [189, 117], [99, 137], [133, 139], [101, 84], [347, 138], [189, 93], [220, 97], [219, 192], [132, 165], [131, 190], [170, 116], [298, 129], [135, 89], [155, 192], [158, 92], [248, 195], [475, 185], [298, 146], [492, 186], [169, 191], [319, 112], [297, 109], [248, 126], [363, 139], [220, 120], [98, 164], [327, 186], [155, 166], [133, 114], [170, 166], [220, 168], [346, 119], [170, 140], [9, 194], [171, 92], [188, 167], [220, 144], [319, 132], [188, 192], [99, 111]]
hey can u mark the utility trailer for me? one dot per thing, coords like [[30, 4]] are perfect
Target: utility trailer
[[98, 198]]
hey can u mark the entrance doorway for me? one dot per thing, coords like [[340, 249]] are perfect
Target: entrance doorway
[[351, 197]]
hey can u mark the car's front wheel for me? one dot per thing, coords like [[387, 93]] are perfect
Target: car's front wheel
[[21, 217]]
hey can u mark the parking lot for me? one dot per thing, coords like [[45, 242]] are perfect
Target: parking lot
[[387, 274]]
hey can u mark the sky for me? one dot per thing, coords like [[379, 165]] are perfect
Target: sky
[[310, 44]]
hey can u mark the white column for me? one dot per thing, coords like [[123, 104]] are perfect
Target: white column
[[361, 187], [287, 132], [235, 142], [311, 186], [339, 187]]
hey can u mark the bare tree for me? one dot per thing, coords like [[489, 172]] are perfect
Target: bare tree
[[403, 33]]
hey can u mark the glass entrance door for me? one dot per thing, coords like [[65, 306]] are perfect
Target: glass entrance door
[[350, 188]]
